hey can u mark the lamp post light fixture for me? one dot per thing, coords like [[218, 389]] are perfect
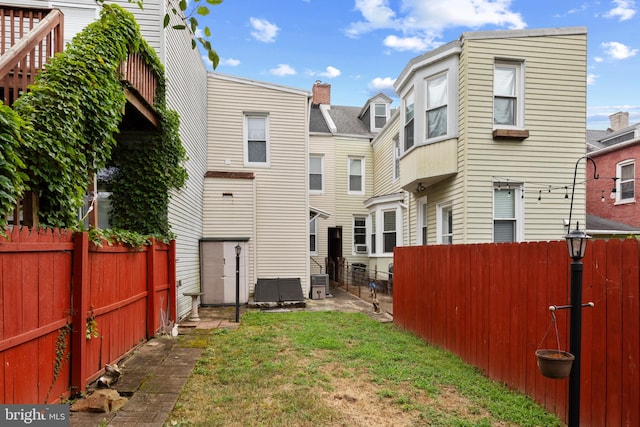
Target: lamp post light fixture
[[576, 245], [238, 250]]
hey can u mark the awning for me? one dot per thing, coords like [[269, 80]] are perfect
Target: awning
[[317, 213]]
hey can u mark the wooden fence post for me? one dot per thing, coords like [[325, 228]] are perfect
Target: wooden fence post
[[80, 306], [152, 309], [173, 286]]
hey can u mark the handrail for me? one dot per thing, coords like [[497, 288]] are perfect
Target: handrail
[[41, 31]]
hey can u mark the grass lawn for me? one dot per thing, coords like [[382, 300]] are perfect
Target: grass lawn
[[339, 369]]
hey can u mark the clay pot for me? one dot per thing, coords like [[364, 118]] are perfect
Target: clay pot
[[554, 364]]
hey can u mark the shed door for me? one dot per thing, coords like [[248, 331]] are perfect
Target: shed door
[[219, 273]]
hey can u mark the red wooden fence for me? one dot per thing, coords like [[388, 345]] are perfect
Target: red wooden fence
[[51, 285], [489, 304]]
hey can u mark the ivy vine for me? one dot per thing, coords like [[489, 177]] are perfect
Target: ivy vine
[[62, 356], [71, 114], [12, 177]]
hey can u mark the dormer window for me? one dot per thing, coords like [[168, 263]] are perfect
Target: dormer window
[[380, 118]]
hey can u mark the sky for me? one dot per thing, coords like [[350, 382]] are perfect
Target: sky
[[361, 46]]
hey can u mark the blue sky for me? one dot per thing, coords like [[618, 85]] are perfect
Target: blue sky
[[361, 46]]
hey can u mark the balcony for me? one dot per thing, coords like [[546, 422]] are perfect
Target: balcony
[[428, 164]]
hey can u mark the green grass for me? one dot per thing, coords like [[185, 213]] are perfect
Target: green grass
[[340, 369]]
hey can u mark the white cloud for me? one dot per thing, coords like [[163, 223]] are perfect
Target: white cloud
[[263, 30], [624, 10], [598, 59], [331, 72], [381, 84], [591, 79], [415, 44], [617, 50], [230, 62], [422, 21], [283, 70]]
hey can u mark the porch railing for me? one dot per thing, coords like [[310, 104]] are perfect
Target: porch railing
[[28, 39]]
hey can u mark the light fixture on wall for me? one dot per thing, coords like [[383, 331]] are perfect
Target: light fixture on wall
[[420, 188], [614, 190]]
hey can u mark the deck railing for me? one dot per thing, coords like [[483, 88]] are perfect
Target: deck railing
[[28, 39], [136, 74]]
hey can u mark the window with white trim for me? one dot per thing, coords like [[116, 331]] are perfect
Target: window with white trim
[[316, 169], [389, 231], [373, 233], [356, 175], [436, 116], [445, 224], [256, 139], [508, 94], [380, 115], [396, 157], [507, 213], [409, 106], [421, 206], [625, 185], [360, 234], [313, 237]]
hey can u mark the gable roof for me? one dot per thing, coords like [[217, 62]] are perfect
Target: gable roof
[[599, 225]]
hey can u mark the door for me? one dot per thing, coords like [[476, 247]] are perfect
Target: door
[[334, 252], [218, 272]]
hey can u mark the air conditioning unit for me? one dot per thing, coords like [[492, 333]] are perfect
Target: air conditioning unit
[[320, 286], [361, 249]]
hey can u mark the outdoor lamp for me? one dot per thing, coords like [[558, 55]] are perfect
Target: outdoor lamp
[[577, 242], [238, 249]]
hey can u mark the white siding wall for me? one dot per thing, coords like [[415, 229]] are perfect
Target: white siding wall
[[187, 94], [555, 108], [282, 230], [348, 205], [326, 202]]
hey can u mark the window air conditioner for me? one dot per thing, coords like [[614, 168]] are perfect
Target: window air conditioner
[[361, 249]]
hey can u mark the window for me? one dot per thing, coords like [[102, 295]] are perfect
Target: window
[[504, 215], [315, 173], [389, 231], [625, 191], [373, 233], [421, 205], [396, 157], [508, 94], [380, 118], [437, 106], [313, 237], [256, 139], [408, 121], [360, 234], [445, 224], [356, 175]]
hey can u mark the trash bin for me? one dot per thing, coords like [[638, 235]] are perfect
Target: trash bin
[[358, 273]]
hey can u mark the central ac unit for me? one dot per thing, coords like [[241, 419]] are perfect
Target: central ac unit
[[361, 249]]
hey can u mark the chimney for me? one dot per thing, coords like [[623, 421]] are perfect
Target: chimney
[[321, 93], [619, 120]]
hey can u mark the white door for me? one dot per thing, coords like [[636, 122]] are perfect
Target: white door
[[219, 273]]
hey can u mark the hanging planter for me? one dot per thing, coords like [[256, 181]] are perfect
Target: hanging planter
[[554, 364]]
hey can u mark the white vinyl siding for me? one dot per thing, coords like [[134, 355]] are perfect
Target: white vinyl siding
[[555, 89], [283, 184]]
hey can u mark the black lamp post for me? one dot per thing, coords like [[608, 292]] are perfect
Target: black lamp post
[[577, 244], [238, 250]]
